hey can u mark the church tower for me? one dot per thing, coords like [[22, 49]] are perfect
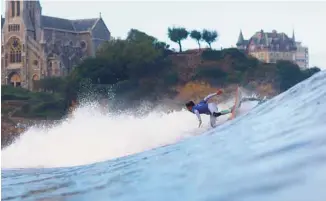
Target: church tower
[[13, 40], [35, 47], [22, 24], [33, 13]]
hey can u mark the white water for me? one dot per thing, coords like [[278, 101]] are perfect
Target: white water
[[91, 136]]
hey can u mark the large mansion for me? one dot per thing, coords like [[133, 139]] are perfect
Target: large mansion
[[272, 46], [34, 46]]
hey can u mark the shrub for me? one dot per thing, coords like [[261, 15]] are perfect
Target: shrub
[[171, 78], [209, 72], [212, 55]]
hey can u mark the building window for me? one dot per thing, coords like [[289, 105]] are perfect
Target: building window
[[15, 50], [12, 9], [13, 27], [18, 8], [83, 44]]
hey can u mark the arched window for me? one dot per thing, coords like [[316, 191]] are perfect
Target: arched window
[[12, 9], [14, 79], [18, 8], [15, 55]]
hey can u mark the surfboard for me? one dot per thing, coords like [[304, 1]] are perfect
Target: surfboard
[[236, 103]]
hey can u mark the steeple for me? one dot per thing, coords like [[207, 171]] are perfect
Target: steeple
[[293, 37], [240, 39]]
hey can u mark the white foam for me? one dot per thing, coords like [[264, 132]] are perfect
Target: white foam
[[92, 135]]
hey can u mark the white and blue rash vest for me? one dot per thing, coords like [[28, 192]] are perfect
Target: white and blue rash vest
[[201, 107]]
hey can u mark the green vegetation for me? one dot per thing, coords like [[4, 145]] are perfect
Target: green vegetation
[[178, 34], [141, 67], [196, 35], [209, 37], [137, 67], [19, 102]]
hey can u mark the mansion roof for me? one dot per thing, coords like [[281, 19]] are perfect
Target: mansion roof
[[271, 40]]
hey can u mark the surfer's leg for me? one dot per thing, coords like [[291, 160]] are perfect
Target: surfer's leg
[[212, 107], [214, 110], [212, 120]]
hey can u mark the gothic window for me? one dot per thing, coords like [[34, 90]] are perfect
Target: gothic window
[[6, 59], [13, 27], [15, 50], [56, 71], [12, 9], [18, 8], [83, 44]]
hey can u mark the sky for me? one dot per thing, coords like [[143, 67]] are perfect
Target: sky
[[307, 19]]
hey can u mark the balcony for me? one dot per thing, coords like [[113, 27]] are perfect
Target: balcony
[[14, 66]]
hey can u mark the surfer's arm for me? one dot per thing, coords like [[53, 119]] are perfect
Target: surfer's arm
[[198, 116], [209, 96], [219, 92]]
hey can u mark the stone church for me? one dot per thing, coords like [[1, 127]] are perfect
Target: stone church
[[34, 46]]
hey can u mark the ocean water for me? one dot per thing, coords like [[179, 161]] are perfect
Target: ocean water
[[275, 151]]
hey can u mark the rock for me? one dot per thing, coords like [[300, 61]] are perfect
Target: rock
[[9, 131]]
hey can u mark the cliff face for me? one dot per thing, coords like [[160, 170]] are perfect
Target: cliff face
[[261, 80]]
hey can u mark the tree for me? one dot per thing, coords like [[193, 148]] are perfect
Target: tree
[[309, 72], [289, 74], [139, 36], [209, 37], [126, 66], [177, 34], [196, 35], [51, 84]]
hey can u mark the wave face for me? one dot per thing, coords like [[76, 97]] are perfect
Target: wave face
[[275, 151]]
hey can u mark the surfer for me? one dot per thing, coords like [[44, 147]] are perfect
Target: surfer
[[203, 107]]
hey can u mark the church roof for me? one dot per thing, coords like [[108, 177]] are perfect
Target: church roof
[[57, 23], [69, 25], [85, 24]]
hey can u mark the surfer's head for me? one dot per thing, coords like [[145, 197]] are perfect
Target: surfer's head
[[189, 105]]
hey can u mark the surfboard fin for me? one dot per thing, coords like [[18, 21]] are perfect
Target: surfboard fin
[[226, 111]]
